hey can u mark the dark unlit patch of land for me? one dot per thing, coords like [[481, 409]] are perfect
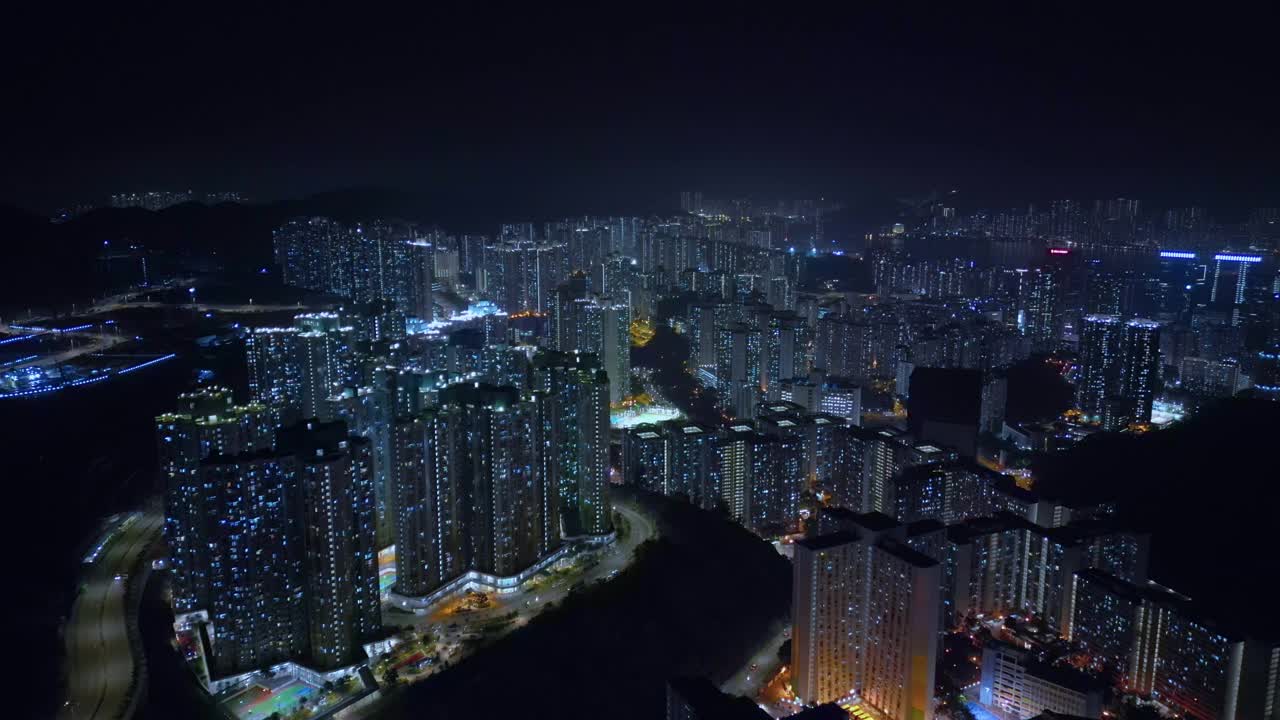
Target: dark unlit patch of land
[[697, 601]]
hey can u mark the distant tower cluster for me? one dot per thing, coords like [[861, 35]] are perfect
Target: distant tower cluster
[[369, 263], [154, 200], [1120, 366]]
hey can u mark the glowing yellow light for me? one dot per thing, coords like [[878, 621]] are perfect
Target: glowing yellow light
[[642, 331]]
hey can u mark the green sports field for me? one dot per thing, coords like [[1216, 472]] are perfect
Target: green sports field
[[259, 702]]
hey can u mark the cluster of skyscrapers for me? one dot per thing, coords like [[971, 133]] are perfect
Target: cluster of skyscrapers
[[161, 199], [874, 595], [271, 533], [378, 262], [905, 538], [478, 452], [1210, 287], [457, 404]]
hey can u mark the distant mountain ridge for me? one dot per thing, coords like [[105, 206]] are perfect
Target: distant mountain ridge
[[56, 263]]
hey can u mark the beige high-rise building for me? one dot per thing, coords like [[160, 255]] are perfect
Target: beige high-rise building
[[827, 635], [865, 623], [902, 632]]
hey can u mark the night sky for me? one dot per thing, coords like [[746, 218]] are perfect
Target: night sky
[[575, 107]]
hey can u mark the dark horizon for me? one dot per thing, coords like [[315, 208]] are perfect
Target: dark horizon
[[1008, 109]]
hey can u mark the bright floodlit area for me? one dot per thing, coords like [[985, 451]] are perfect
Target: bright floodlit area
[[630, 417], [290, 697]]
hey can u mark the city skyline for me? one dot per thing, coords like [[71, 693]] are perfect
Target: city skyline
[[882, 364], [447, 424]]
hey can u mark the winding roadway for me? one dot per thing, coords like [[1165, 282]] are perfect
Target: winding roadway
[[529, 603], [614, 560], [100, 660]]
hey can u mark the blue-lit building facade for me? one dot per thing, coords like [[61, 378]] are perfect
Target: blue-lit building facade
[[286, 559], [1156, 643]]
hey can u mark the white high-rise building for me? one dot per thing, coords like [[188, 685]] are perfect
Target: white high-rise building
[[1099, 362], [1141, 367]]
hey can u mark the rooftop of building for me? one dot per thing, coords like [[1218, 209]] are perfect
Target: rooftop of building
[[1066, 677], [873, 522], [1230, 628], [913, 472], [964, 532], [688, 427], [906, 553], [780, 408], [925, 527], [1110, 583], [479, 394], [740, 427], [876, 521], [1006, 485], [828, 541], [647, 432], [840, 384]]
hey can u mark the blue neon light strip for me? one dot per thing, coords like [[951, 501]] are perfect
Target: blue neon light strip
[[38, 329], [1227, 257], [41, 391], [19, 338], [86, 381], [147, 363], [1177, 254]]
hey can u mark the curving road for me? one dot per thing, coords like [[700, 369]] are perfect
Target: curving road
[[93, 341], [528, 603], [615, 559], [762, 666], [100, 661], [202, 307]]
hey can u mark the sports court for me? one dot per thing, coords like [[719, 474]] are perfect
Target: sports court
[[260, 701]]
